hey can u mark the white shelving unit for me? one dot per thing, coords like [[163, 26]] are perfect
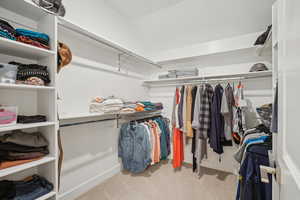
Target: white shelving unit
[[30, 99]]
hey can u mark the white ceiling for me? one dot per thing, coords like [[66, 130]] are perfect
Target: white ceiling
[[167, 24], [134, 9]]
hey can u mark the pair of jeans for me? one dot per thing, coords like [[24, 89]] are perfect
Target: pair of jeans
[[35, 188], [31, 189]]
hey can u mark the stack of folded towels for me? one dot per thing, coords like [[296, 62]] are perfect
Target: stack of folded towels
[[32, 74], [19, 147], [37, 39], [106, 105], [31, 187]]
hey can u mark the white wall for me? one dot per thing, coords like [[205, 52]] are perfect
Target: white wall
[[257, 93], [90, 151], [97, 17]]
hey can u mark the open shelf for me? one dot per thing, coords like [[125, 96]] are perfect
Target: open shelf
[[19, 168], [63, 23], [25, 126], [247, 75], [47, 196], [85, 115], [24, 8], [24, 87], [105, 116], [19, 49]]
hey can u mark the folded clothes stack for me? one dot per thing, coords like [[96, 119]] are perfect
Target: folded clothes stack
[[18, 148], [148, 106], [30, 188], [31, 119], [7, 31], [32, 74], [129, 107], [106, 105], [37, 39]]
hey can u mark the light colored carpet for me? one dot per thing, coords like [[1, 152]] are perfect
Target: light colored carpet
[[161, 182]]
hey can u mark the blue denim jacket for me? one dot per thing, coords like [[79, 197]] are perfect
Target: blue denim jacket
[[134, 147]]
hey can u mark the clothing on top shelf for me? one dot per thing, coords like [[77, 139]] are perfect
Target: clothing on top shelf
[[32, 74], [33, 38], [30, 188], [20, 147], [252, 153], [37, 39], [143, 143], [116, 105], [107, 105], [7, 31]]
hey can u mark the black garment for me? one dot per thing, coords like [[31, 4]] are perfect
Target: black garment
[[263, 37], [6, 147], [26, 71], [7, 190], [31, 119], [180, 107], [217, 121], [4, 25], [194, 93]]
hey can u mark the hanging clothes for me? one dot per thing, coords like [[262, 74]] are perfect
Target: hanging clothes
[[227, 111], [180, 108], [217, 121], [193, 149], [188, 121], [239, 121], [143, 143], [178, 151], [201, 122]]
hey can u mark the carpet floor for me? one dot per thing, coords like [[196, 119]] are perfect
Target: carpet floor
[[162, 182]]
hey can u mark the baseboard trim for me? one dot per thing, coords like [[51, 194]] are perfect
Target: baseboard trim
[[89, 184]]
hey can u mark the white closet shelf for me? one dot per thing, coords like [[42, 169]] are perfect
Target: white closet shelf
[[247, 75], [47, 196], [25, 87], [25, 8], [19, 168], [25, 126], [105, 116], [84, 115], [97, 38], [19, 49]]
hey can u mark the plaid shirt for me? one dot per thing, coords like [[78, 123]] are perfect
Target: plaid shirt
[[205, 111]]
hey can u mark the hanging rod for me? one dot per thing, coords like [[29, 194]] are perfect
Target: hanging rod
[[199, 80], [77, 29]]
